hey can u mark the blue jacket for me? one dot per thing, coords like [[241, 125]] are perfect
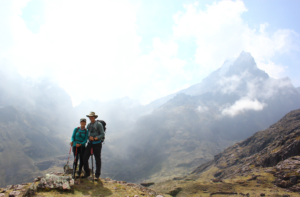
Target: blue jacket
[[79, 137]]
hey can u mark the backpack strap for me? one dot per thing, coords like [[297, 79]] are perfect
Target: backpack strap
[[76, 131]]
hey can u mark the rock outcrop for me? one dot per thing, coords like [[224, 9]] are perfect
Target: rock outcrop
[[55, 181]]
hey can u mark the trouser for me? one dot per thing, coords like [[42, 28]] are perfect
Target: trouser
[[80, 153], [97, 154]]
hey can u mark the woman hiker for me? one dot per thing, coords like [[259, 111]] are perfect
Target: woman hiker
[[78, 141]]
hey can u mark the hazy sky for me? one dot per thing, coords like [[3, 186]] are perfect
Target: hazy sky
[[108, 49]]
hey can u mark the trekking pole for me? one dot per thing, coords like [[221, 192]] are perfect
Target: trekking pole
[[74, 166], [69, 155], [80, 162], [66, 167], [92, 164]]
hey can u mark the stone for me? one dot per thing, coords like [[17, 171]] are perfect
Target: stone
[[175, 191], [147, 184], [14, 193], [159, 196], [262, 194], [2, 195], [19, 187], [9, 187], [52, 181], [136, 196], [217, 180]]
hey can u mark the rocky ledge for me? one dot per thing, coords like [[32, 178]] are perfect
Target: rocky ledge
[[61, 184]]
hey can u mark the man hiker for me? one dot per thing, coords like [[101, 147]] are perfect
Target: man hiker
[[95, 137], [78, 141]]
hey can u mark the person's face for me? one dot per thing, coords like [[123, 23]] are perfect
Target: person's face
[[92, 118], [82, 123]]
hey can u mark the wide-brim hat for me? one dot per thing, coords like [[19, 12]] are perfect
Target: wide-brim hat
[[92, 114]]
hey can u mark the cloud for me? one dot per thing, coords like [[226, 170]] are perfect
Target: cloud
[[92, 49], [202, 108], [242, 105], [220, 32], [230, 84]]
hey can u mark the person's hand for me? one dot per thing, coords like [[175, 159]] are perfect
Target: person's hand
[[78, 145], [95, 138], [91, 138], [71, 143]]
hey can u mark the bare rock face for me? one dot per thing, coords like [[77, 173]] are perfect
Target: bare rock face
[[287, 173], [52, 181]]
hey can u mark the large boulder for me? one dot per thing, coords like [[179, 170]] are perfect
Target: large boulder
[[53, 181]]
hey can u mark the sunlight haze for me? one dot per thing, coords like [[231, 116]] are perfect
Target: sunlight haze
[[141, 50]]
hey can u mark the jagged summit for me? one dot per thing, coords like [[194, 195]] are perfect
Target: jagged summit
[[241, 69], [244, 63]]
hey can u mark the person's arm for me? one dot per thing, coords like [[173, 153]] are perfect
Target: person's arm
[[100, 127]]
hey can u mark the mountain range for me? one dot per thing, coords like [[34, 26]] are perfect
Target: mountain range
[[167, 138]]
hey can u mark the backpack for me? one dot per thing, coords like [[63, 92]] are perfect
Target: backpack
[[103, 125], [77, 130]]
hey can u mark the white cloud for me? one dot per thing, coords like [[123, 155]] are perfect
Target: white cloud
[[220, 32], [242, 105], [202, 108], [92, 49]]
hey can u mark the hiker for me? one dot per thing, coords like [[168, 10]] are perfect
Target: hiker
[[95, 136], [78, 141]]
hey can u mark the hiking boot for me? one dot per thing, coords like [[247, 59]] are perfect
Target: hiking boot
[[78, 173], [85, 176]]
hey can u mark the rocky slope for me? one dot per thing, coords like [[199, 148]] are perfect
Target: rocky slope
[[275, 150], [265, 164]]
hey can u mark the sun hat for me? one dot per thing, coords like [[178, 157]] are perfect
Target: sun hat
[[92, 114]]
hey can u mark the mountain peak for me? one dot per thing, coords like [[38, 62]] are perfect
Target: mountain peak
[[243, 63]]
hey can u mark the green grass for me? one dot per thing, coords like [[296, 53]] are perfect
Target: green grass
[[203, 186]]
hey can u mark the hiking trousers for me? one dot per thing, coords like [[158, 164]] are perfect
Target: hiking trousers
[[97, 154], [80, 153]]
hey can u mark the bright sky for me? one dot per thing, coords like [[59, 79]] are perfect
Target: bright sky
[[108, 49]]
